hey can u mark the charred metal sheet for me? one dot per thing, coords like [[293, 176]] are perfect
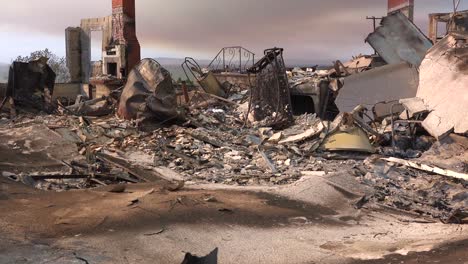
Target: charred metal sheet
[[386, 83], [399, 40], [444, 78], [148, 93], [27, 82], [271, 98]]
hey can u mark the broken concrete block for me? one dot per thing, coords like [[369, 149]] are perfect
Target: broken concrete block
[[435, 126]]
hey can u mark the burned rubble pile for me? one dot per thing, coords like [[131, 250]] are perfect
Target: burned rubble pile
[[254, 135], [407, 189]]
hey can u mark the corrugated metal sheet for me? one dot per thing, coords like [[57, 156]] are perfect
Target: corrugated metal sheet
[[399, 40]]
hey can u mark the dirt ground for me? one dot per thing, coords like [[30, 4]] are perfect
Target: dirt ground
[[147, 224], [310, 219]]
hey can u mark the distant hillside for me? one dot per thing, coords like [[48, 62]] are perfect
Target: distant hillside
[[4, 72], [179, 61], [173, 65]]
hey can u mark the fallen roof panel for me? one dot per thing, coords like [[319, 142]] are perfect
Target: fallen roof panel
[[399, 40]]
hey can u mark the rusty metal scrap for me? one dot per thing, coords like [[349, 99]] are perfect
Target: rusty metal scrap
[[271, 98], [206, 79]]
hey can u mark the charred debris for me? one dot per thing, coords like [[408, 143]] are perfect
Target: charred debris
[[399, 130]]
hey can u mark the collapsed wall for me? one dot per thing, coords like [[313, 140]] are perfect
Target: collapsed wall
[[444, 85], [120, 46]]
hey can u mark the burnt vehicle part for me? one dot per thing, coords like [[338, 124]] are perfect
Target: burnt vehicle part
[[270, 99]]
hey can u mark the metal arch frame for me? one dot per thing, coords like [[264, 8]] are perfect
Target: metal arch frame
[[245, 57]]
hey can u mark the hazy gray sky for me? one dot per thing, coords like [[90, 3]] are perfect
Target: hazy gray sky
[[314, 30]]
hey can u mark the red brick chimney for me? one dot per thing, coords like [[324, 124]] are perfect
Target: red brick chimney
[[124, 30], [404, 6]]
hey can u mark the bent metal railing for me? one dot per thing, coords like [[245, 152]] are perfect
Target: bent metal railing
[[232, 59]]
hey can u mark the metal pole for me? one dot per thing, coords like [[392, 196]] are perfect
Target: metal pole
[[185, 91], [240, 59], [374, 20], [224, 60]]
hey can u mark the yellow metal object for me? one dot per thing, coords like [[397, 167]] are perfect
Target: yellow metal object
[[351, 139], [211, 85]]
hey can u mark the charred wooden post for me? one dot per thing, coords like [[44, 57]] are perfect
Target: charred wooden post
[[185, 91]]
